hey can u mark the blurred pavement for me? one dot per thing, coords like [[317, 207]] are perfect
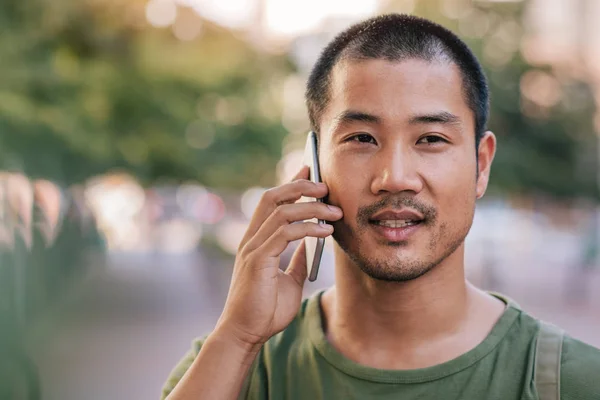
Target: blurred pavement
[[129, 323]]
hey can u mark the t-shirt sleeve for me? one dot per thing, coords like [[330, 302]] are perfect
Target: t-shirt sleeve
[[180, 369], [580, 371]]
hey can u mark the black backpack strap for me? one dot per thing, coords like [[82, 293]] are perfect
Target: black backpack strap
[[548, 355]]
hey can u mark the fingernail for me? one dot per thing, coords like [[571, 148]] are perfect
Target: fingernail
[[326, 227], [334, 208]]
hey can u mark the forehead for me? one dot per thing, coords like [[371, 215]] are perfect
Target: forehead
[[397, 90]]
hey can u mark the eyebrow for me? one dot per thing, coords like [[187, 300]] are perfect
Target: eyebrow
[[350, 116], [442, 117]]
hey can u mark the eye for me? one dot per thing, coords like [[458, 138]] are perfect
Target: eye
[[432, 139], [362, 138]]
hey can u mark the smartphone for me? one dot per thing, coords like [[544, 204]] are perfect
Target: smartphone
[[314, 246]]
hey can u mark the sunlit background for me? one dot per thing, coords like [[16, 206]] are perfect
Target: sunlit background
[[136, 138]]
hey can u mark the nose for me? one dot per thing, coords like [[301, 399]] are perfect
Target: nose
[[396, 171]]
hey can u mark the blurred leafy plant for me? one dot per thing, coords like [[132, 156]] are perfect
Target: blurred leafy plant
[[90, 86]]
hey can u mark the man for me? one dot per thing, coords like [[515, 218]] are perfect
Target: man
[[47, 261], [400, 105], [48, 205]]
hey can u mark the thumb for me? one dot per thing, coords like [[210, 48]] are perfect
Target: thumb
[[297, 267]]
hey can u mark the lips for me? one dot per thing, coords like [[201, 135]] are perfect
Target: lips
[[397, 215], [396, 225]]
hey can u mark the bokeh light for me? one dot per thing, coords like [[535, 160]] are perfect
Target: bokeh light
[[541, 88], [250, 200], [200, 134], [161, 13], [210, 208], [295, 18], [230, 234], [187, 26], [289, 165], [230, 13]]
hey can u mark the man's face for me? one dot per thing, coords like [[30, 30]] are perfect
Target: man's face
[[397, 150]]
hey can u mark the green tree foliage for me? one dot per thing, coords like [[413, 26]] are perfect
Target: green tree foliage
[[89, 86]]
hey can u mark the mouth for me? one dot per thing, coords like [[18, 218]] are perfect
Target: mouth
[[396, 223], [396, 230]]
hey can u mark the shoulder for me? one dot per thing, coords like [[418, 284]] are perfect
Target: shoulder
[[580, 370], [580, 362]]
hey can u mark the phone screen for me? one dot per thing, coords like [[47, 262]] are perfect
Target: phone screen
[[314, 246]]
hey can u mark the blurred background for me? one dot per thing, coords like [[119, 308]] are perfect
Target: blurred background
[[136, 138]]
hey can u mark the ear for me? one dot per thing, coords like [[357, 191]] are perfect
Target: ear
[[485, 152]]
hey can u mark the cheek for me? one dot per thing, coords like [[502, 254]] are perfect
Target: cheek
[[453, 187], [346, 183], [453, 172]]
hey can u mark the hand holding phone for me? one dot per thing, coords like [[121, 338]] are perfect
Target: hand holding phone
[[262, 299]]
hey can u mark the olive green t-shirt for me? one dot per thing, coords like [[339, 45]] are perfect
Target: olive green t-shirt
[[299, 363]]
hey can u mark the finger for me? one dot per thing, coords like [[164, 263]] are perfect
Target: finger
[[260, 215], [291, 213], [304, 173], [276, 244], [284, 194], [297, 267]]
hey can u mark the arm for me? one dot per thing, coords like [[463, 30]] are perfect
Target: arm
[[229, 363], [262, 299]]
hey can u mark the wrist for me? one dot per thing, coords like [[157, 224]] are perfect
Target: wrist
[[246, 347]]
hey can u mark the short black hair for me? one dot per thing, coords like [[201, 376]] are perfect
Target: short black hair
[[396, 37]]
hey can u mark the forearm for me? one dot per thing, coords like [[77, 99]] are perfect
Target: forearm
[[218, 372]]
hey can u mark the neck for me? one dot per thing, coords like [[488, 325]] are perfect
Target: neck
[[378, 323]]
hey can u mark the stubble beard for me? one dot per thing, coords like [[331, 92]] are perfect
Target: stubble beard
[[442, 243]]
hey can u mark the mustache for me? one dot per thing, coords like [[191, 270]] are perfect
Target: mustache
[[365, 213]]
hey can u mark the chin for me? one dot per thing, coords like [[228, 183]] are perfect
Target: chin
[[400, 261], [398, 271]]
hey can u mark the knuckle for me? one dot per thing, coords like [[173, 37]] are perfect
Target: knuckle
[[284, 213], [281, 231], [301, 230], [250, 260], [317, 212], [285, 231], [302, 182], [310, 227], [252, 256], [278, 212], [303, 185], [245, 251], [268, 196], [243, 242]]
